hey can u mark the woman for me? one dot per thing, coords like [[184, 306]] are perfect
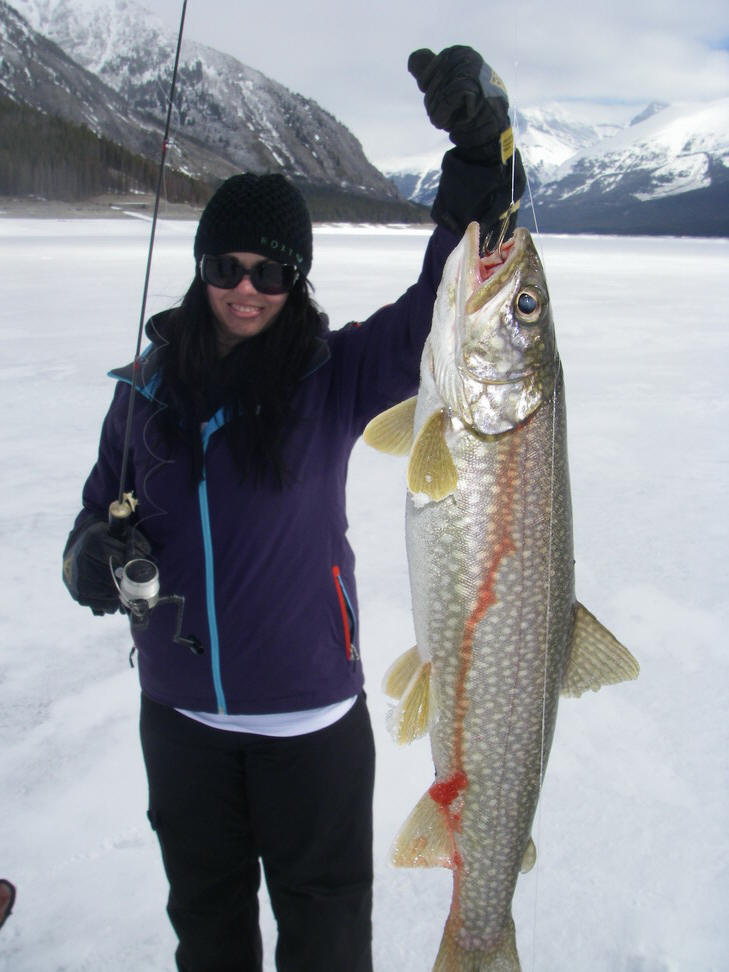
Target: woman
[[257, 744]]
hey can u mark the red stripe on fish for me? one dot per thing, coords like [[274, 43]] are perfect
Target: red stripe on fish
[[486, 596]]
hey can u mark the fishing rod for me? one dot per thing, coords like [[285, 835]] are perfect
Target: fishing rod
[[125, 503], [138, 580]]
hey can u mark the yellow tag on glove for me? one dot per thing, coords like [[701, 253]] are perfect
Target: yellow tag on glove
[[506, 142]]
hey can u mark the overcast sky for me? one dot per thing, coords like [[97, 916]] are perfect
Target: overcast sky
[[351, 55]]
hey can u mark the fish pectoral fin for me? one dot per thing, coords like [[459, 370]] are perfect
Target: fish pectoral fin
[[414, 714], [530, 857], [424, 840], [596, 657], [392, 430], [431, 469]]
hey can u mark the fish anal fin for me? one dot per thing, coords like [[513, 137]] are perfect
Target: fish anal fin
[[530, 857], [414, 714], [596, 657], [431, 469], [392, 430], [424, 839]]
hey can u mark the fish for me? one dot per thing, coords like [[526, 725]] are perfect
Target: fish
[[499, 632]]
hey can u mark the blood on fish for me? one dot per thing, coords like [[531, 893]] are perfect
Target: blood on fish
[[445, 792], [490, 263]]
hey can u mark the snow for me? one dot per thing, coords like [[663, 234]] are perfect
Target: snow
[[632, 872], [677, 143]]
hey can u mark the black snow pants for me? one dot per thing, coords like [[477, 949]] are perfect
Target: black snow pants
[[222, 801]]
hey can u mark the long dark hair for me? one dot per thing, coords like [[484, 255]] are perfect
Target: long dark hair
[[254, 383]]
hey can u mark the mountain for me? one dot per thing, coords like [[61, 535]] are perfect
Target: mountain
[[667, 172], [243, 117], [36, 72], [664, 171], [108, 65], [547, 136]]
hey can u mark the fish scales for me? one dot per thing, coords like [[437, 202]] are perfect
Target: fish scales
[[473, 558], [499, 632]]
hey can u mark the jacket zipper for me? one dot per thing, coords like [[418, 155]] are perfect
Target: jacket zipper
[[202, 492], [345, 606]]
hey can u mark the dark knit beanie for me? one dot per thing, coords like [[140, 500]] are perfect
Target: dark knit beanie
[[263, 214]]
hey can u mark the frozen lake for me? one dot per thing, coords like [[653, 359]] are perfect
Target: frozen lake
[[633, 855]]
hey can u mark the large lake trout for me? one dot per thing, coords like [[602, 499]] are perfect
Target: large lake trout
[[499, 632]]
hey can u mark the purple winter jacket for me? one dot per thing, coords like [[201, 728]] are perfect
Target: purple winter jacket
[[267, 574]]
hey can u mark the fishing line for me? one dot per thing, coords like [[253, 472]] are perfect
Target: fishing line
[[124, 505], [536, 830]]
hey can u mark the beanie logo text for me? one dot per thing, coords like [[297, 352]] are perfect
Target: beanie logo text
[[275, 246]]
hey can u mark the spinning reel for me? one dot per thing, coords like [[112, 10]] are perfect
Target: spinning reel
[[138, 581]]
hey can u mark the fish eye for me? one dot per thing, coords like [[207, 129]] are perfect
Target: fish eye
[[528, 306]]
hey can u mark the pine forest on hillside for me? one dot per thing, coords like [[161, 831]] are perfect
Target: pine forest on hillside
[[43, 155]]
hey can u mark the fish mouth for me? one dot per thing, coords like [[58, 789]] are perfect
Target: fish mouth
[[495, 267]]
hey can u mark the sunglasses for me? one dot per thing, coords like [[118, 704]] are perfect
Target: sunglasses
[[268, 277]]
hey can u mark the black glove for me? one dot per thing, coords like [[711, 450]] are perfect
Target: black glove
[[86, 564], [468, 191], [466, 98], [482, 174]]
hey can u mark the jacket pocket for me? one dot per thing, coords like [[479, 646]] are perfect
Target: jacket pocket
[[347, 612]]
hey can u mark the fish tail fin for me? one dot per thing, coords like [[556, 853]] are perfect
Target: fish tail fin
[[409, 681], [596, 658], [424, 840], [392, 430], [501, 957]]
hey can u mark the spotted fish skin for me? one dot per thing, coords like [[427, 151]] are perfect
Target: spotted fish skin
[[493, 591], [490, 554]]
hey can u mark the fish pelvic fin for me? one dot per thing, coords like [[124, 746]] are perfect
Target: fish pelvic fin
[[425, 839], [392, 430], [409, 680], [431, 470], [596, 658], [400, 672], [502, 956]]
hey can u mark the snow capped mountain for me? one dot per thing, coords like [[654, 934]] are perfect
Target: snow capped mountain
[[669, 151], [237, 113], [599, 168], [664, 170], [35, 71], [548, 135]]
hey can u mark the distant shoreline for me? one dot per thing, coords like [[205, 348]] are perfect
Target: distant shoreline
[[106, 207]]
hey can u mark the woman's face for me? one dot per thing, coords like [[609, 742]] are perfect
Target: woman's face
[[242, 312]]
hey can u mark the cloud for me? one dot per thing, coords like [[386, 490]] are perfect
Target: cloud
[[352, 58]]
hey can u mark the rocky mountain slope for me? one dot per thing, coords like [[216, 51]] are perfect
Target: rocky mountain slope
[[109, 66]]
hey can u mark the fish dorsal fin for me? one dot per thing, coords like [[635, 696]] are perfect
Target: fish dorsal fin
[[424, 839], [596, 658], [392, 430], [431, 469]]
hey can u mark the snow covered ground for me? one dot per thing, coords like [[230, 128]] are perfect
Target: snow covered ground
[[633, 866]]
